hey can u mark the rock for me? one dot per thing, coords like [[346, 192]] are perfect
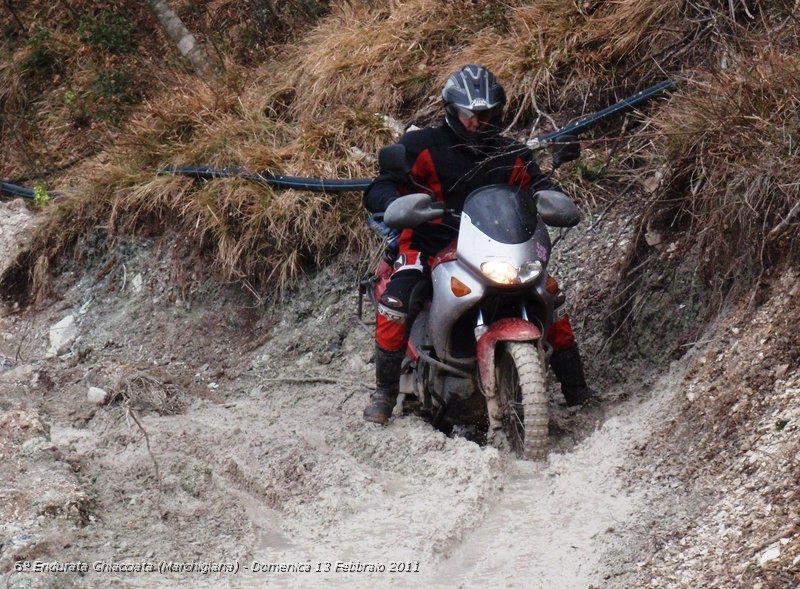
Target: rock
[[35, 446], [96, 395], [137, 283], [22, 373], [653, 238], [770, 554], [62, 335], [393, 125], [16, 223], [361, 155]]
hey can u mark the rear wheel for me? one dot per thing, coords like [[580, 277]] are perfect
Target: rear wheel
[[522, 397]]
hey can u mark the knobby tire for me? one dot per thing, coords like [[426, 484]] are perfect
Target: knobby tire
[[523, 399]]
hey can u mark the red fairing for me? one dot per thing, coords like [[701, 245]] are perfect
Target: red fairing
[[520, 175], [504, 330], [448, 254]]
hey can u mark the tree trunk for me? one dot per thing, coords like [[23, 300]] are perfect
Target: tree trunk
[[177, 32]]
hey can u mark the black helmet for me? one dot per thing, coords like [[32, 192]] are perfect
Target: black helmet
[[474, 89]]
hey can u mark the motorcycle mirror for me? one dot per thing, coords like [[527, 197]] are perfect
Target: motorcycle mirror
[[392, 158], [411, 210], [557, 209]]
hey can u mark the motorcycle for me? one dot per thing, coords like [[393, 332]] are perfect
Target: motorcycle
[[477, 353]]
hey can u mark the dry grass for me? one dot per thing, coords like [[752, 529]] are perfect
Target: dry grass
[[305, 112], [141, 391], [552, 56], [249, 231], [730, 143], [376, 58]]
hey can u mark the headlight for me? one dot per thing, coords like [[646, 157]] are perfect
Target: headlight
[[500, 272], [506, 273]]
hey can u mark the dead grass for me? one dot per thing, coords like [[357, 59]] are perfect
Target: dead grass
[[312, 112], [552, 56], [140, 391], [729, 143]]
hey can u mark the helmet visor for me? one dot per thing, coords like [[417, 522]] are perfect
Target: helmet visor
[[482, 116]]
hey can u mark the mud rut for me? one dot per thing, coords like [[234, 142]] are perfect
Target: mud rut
[[289, 474]]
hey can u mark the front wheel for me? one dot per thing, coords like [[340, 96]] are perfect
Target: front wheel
[[522, 398]]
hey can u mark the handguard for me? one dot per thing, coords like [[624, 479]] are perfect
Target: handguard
[[412, 210], [557, 209]]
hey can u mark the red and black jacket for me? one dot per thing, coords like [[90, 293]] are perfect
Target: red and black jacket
[[449, 170]]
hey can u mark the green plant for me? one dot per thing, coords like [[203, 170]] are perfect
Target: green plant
[[108, 31], [590, 171], [43, 58], [113, 90], [40, 195], [493, 14]]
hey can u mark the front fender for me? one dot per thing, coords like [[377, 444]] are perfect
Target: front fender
[[504, 330]]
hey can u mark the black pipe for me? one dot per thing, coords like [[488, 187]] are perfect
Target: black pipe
[[356, 184], [581, 124], [8, 189], [295, 182], [323, 185]]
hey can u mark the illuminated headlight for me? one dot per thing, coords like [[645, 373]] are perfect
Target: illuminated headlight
[[500, 272], [506, 273]]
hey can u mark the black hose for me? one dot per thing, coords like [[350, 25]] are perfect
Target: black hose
[[12, 190], [357, 184], [324, 185], [583, 123], [295, 182]]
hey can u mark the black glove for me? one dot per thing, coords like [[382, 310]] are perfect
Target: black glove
[[566, 149]]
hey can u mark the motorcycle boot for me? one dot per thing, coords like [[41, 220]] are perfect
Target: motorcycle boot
[[568, 368], [387, 384]]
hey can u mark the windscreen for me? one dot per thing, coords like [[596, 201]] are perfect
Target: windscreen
[[505, 213]]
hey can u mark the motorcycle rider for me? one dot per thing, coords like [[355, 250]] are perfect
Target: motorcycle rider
[[448, 162]]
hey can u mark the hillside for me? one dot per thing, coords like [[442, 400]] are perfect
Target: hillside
[[218, 318]]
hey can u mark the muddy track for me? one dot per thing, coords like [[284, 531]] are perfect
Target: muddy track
[[262, 457]]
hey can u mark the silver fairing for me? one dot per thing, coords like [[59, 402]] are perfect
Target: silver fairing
[[474, 248]]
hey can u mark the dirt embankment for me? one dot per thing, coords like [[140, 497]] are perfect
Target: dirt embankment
[[232, 434]]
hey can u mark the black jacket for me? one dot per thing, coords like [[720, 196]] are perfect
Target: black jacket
[[449, 169]]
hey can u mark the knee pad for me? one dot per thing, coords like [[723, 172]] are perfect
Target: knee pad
[[405, 293]]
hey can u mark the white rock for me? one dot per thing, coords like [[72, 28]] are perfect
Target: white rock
[[770, 554], [62, 334], [360, 154], [780, 371], [137, 283], [393, 124], [796, 560], [96, 395]]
